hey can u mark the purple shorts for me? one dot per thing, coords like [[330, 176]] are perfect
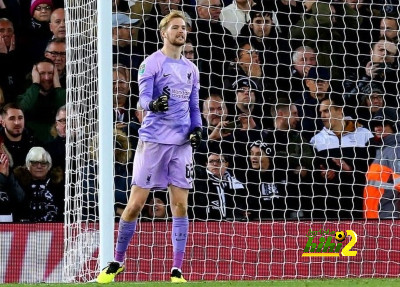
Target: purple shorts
[[159, 165]]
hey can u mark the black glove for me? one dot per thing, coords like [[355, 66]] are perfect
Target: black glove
[[195, 137], [161, 104]]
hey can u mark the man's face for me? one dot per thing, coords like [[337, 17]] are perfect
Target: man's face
[[61, 123], [245, 99], [120, 89], [42, 13], [210, 10], [248, 58], [389, 29], [291, 116], [157, 208], [123, 35], [188, 51], [6, 32], [331, 116], [46, 72], [318, 87], [57, 23], [305, 61], [382, 130], [262, 26], [214, 111], [166, 6], [259, 160], [14, 122], [56, 53], [217, 165], [175, 33], [375, 102]]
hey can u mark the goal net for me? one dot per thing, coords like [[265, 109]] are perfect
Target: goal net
[[295, 102]]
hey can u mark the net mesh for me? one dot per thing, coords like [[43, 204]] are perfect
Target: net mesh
[[268, 178]]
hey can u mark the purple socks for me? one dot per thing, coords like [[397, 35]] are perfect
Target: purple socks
[[126, 230], [180, 227]]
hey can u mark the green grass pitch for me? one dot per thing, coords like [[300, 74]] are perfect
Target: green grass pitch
[[365, 282]]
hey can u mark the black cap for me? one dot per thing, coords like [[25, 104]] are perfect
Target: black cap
[[268, 149], [244, 82], [319, 73]]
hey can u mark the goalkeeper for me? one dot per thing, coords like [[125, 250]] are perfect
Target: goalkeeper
[[169, 90]]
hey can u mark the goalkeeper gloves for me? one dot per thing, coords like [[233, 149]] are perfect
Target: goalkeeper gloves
[[195, 137], [161, 104]]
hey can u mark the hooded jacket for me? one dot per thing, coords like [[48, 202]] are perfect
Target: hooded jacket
[[381, 194]]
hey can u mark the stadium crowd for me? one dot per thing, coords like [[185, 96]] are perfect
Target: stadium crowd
[[299, 101]]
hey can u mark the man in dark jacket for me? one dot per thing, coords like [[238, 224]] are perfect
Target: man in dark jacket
[[218, 195], [15, 137]]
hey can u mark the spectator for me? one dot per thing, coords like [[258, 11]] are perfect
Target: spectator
[[246, 64], [218, 195], [287, 13], [236, 15], [273, 51], [215, 114], [57, 23], [360, 35], [380, 128], [215, 44], [381, 66], [267, 198], [15, 137], [381, 194], [216, 134], [56, 147], [319, 29], [39, 32], [292, 158], [340, 164], [248, 111], [56, 51], [121, 100], [318, 84], [125, 51], [10, 77], [42, 99], [43, 186], [156, 208], [11, 194], [188, 50], [303, 59], [371, 99], [389, 29]]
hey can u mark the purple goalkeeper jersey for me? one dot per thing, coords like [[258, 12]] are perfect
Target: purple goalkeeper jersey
[[182, 77]]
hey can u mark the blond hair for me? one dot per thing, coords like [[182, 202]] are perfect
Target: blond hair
[[172, 15]]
